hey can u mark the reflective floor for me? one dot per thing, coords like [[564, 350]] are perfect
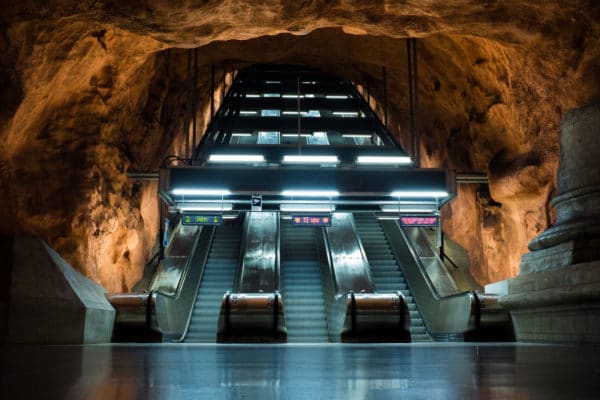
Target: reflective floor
[[427, 371]]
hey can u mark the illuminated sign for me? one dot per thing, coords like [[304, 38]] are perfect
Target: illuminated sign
[[311, 220], [419, 221], [201, 219]]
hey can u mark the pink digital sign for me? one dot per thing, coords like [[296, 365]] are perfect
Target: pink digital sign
[[420, 221]]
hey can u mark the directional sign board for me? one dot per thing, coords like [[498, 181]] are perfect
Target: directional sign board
[[419, 220], [201, 219], [311, 220]]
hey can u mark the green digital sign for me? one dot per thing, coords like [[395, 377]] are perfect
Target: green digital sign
[[202, 219]]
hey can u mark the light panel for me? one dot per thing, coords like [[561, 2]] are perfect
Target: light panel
[[424, 193], [207, 207], [236, 158], [307, 208], [200, 192], [383, 160], [418, 208], [298, 159], [346, 114], [310, 193]]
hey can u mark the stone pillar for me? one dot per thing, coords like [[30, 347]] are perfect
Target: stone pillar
[[556, 297], [575, 237]]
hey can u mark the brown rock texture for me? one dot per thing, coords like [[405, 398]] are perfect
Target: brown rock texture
[[91, 90]]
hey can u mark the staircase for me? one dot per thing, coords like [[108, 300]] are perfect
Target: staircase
[[302, 289], [386, 272], [217, 279]]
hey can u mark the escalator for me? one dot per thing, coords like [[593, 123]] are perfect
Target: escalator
[[302, 288], [217, 279], [386, 272]]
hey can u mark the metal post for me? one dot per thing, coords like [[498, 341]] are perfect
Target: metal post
[[223, 84], [188, 106], [416, 105], [299, 120], [212, 90], [413, 97], [194, 101], [410, 97], [384, 97], [441, 244]]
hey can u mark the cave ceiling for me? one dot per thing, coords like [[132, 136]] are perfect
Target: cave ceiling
[[93, 89]]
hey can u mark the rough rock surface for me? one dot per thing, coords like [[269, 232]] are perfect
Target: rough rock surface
[[91, 90]]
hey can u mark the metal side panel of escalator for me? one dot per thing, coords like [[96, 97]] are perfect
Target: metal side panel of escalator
[[355, 311], [218, 278]]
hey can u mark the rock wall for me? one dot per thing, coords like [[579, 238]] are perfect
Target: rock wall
[[92, 90]]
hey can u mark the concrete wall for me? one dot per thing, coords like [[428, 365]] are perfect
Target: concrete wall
[[48, 301]]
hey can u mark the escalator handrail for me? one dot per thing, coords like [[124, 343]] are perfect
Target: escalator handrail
[[425, 279], [366, 269], [185, 271], [239, 273], [162, 261], [363, 253], [174, 323]]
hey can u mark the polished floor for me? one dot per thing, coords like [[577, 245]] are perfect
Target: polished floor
[[406, 371]]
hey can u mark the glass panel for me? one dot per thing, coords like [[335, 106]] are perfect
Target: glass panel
[[242, 138], [268, 137], [269, 113], [309, 114], [292, 138], [318, 138]]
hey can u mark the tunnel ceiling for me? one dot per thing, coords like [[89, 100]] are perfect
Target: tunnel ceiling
[[91, 90]]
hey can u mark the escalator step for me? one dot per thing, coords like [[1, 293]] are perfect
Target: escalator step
[[216, 280], [302, 289]]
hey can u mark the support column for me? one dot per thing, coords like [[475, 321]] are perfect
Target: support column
[[556, 297]]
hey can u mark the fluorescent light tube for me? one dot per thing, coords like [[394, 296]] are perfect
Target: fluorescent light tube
[[407, 209], [346, 114], [387, 217], [207, 207], [236, 158], [424, 193], [201, 192], [335, 96], [310, 159], [307, 207], [310, 193], [383, 160]]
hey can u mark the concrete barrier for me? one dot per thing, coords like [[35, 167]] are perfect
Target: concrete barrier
[[45, 300]]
